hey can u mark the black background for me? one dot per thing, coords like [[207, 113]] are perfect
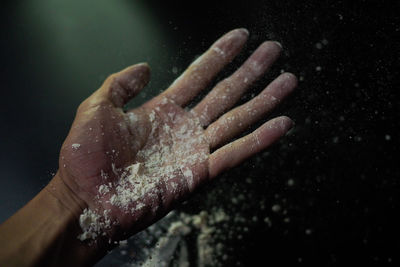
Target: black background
[[343, 206]]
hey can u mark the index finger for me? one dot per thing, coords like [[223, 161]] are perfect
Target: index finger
[[197, 76]]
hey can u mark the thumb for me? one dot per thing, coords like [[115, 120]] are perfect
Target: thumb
[[122, 86]]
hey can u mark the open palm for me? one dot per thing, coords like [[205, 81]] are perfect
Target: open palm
[[130, 168]]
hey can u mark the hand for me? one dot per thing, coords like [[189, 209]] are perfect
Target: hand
[[130, 168]]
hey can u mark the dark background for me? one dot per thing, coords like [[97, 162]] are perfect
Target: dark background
[[341, 203]]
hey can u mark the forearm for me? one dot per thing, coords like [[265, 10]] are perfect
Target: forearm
[[44, 232]]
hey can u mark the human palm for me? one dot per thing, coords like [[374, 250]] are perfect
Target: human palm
[[131, 167]]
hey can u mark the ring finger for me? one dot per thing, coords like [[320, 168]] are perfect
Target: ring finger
[[241, 117]]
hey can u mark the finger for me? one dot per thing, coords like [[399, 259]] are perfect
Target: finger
[[240, 118], [198, 75], [227, 92], [234, 153], [121, 87], [127, 83]]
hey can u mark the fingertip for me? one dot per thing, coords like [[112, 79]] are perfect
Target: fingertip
[[286, 82], [238, 31], [140, 70], [243, 31], [288, 126], [266, 54], [280, 125], [287, 119], [272, 45], [284, 123], [291, 77], [146, 71], [122, 86], [144, 66], [239, 36]]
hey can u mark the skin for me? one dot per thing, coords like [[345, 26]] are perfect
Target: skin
[[111, 139]]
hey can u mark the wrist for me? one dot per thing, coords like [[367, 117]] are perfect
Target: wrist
[[44, 232], [65, 197], [70, 207]]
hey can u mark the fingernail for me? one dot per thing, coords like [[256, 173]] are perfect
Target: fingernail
[[291, 130], [240, 32], [279, 44], [244, 30]]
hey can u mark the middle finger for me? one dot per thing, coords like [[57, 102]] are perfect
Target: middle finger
[[227, 92]]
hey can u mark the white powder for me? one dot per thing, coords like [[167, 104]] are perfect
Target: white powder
[[133, 118], [152, 116], [104, 175], [75, 146], [276, 208], [123, 243], [165, 163], [267, 220], [219, 51], [203, 226], [93, 224], [188, 174], [179, 228]]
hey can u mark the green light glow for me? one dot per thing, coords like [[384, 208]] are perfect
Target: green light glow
[[78, 43]]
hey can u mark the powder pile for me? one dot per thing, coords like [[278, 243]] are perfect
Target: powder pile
[[204, 226]]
